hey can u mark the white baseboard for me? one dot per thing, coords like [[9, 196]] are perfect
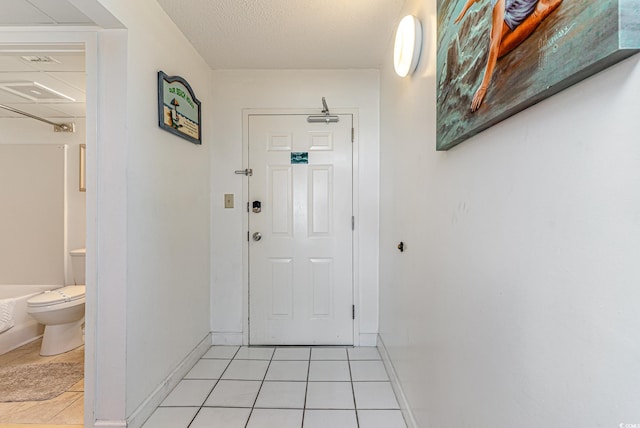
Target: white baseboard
[[142, 413], [368, 339], [234, 339], [110, 424], [395, 384]]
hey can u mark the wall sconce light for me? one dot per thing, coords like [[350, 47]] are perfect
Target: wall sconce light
[[406, 52]]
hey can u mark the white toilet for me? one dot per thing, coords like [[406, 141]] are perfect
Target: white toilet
[[62, 311]]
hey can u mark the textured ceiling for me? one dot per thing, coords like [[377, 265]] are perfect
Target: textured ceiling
[[287, 34]]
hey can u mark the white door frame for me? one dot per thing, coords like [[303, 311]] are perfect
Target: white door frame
[[88, 37], [245, 215]]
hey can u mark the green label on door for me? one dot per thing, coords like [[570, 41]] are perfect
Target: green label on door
[[299, 157]]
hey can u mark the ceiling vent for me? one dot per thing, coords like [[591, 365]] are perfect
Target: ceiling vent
[[40, 59], [35, 92]]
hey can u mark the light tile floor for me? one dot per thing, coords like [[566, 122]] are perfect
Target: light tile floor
[[282, 387]]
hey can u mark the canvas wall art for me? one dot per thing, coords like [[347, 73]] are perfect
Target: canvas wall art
[[498, 57]]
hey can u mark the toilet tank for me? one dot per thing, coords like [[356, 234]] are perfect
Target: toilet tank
[[77, 265]]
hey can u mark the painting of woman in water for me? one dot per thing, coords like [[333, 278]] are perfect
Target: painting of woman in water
[[498, 57], [512, 21]]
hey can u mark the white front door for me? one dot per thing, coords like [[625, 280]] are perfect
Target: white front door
[[300, 238]]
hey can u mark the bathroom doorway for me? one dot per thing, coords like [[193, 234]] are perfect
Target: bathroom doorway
[[45, 80]]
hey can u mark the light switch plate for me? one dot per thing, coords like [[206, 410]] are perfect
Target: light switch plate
[[228, 200]]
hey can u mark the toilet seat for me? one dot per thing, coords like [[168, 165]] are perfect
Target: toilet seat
[[67, 294]]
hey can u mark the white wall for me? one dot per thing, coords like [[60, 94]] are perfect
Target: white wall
[[29, 131], [516, 301], [286, 89], [153, 226]]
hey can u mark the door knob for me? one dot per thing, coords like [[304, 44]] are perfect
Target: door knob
[[257, 236]]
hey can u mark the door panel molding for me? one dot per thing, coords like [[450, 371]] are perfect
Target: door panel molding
[[319, 141]]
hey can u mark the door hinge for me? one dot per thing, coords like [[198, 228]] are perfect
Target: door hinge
[[353, 223], [353, 312], [353, 134], [247, 206], [247, 236]]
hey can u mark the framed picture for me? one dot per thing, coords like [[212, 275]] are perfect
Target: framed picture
[[178, 108], [498, 57], [83, 174]]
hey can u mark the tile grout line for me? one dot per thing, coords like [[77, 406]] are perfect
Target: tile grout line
[[353, 391], [260, 389], [214, 386], [263, 379], [306, 389]]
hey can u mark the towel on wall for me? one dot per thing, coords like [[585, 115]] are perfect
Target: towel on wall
[[6, 314]]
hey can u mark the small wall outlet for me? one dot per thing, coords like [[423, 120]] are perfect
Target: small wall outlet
[[228, 200]]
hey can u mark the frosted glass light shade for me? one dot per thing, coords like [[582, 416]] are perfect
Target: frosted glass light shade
[[406, 52]]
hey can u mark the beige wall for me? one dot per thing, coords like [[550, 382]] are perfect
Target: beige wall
[[24, 131]]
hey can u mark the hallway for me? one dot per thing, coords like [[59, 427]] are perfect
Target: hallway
[[499, 278]]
